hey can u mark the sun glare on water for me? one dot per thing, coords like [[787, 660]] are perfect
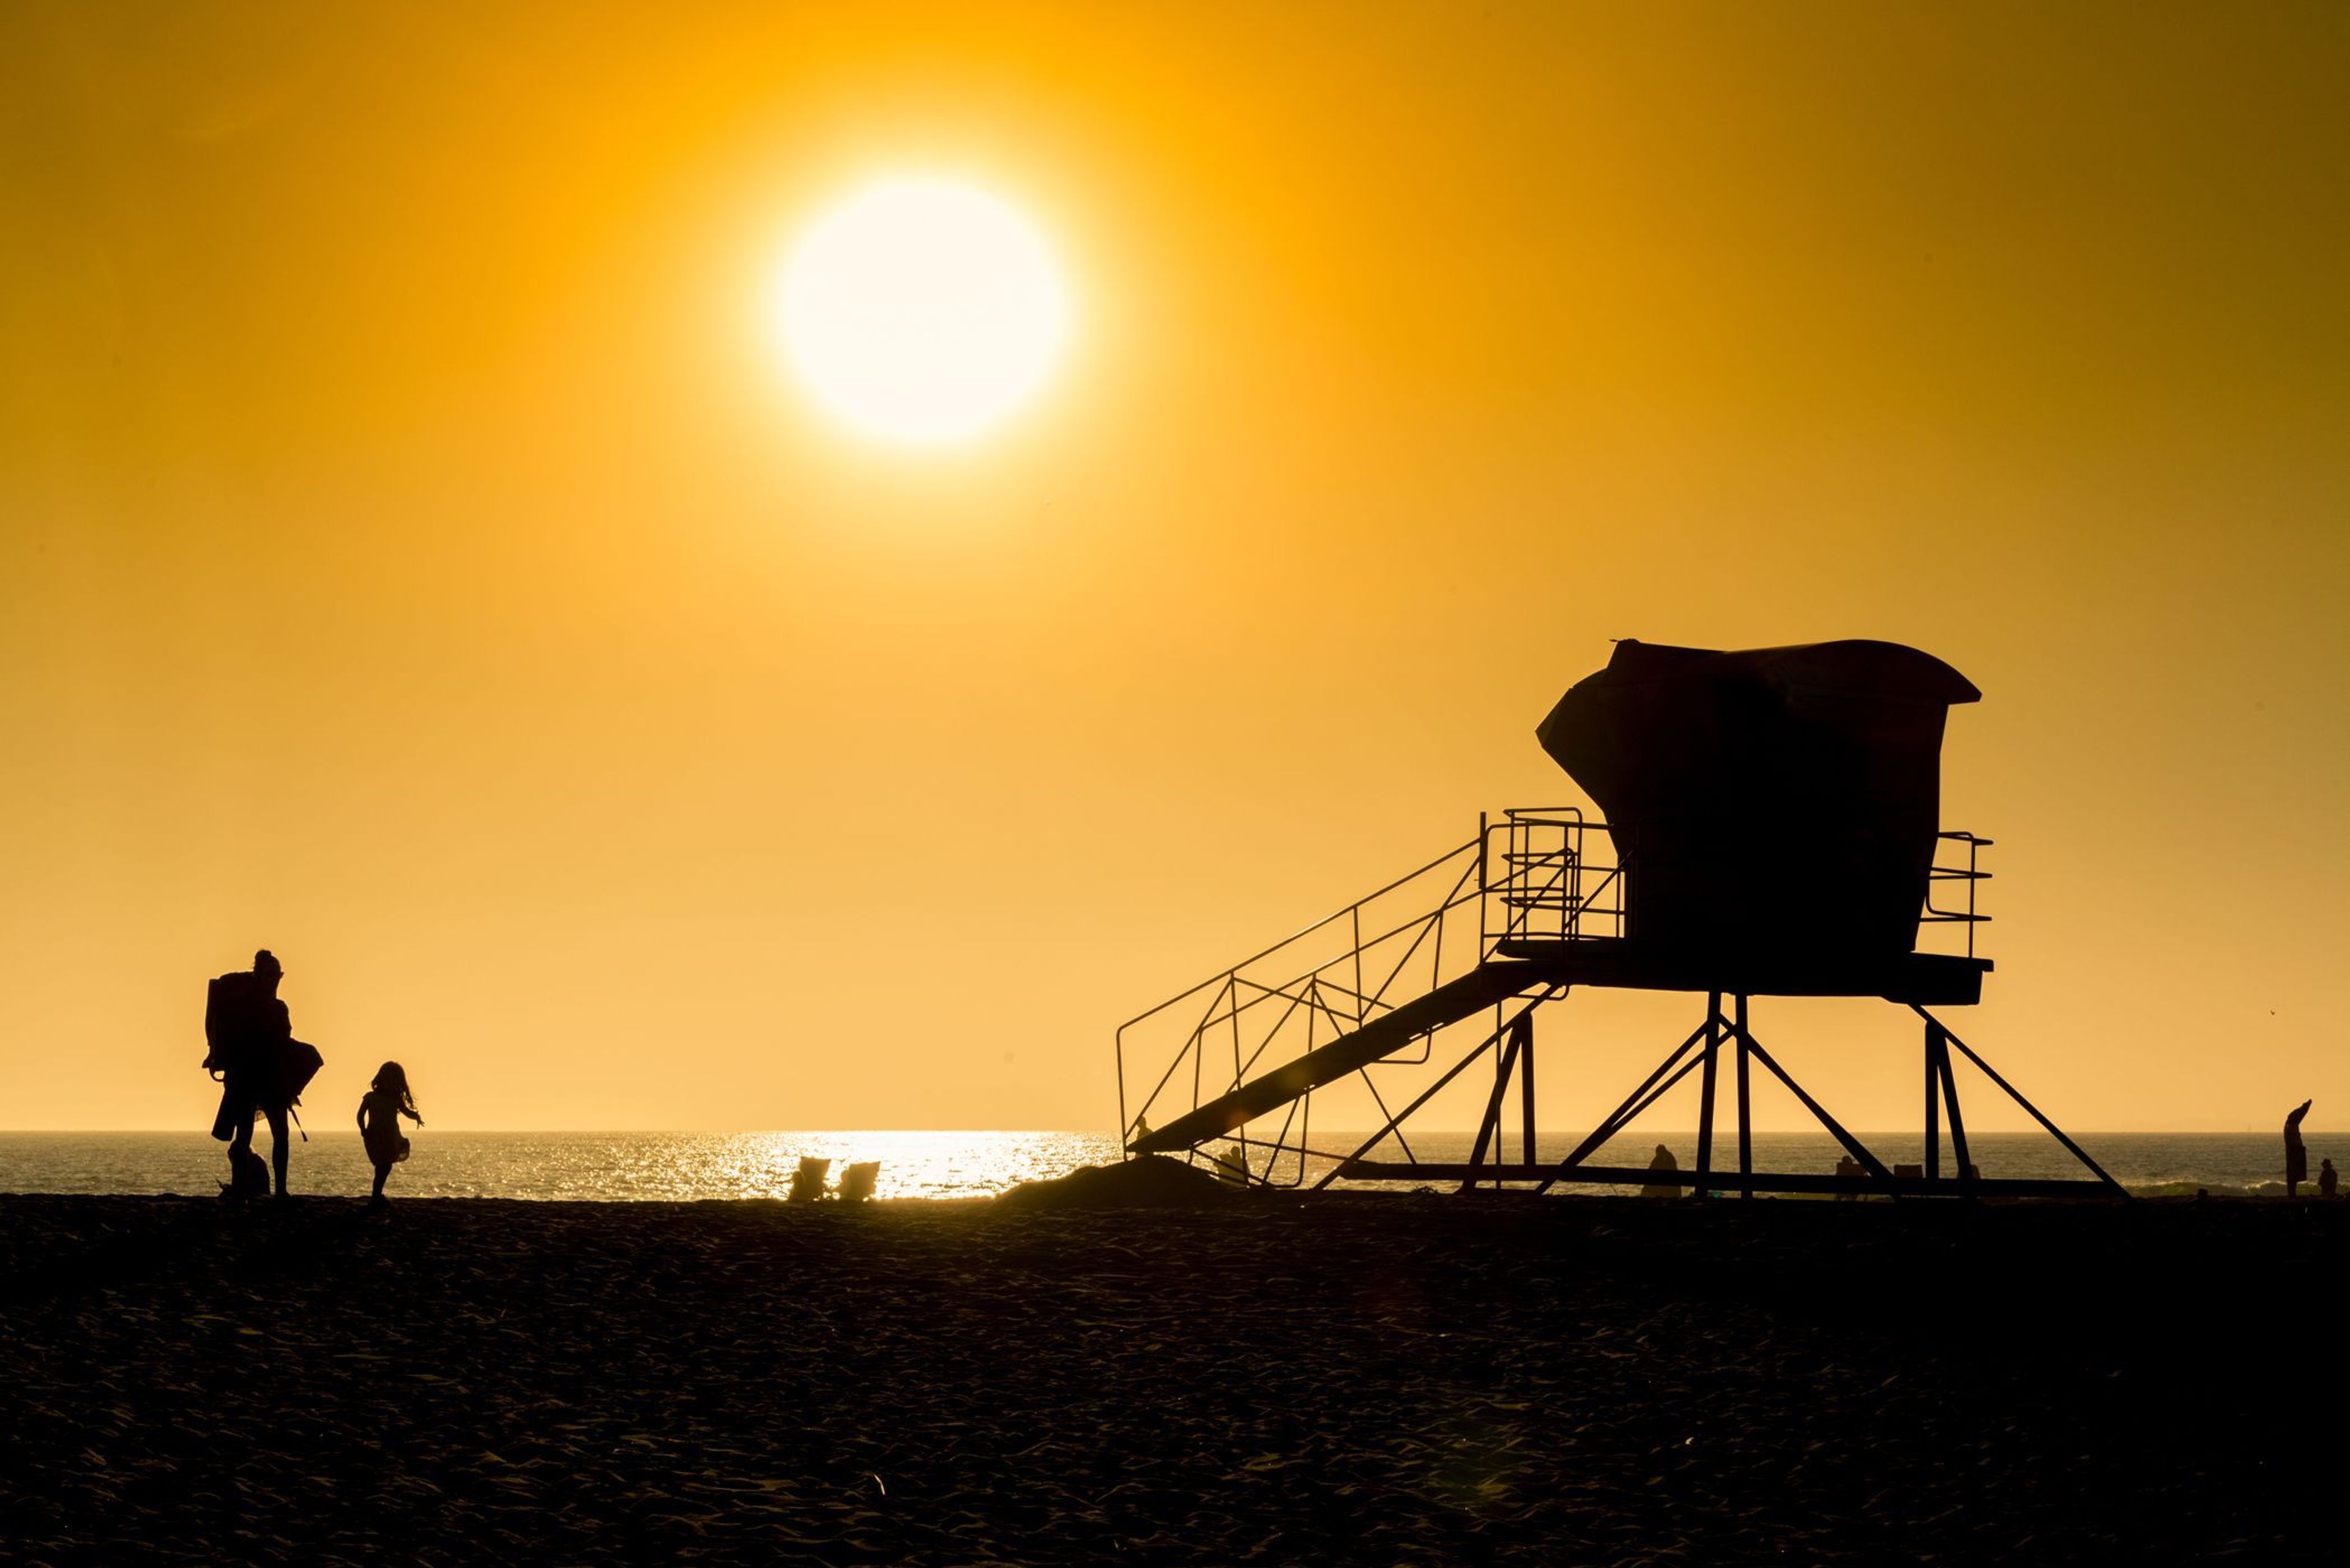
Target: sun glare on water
[[923, 311]]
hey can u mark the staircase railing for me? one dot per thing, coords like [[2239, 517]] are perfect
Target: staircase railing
[[1528, 875]]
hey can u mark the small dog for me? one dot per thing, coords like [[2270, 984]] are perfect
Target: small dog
[[249, 1176]]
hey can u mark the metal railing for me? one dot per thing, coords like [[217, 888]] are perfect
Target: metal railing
[[1528, 875], [1549, 889], [1967, 877]]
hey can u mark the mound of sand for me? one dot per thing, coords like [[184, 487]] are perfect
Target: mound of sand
[[1153, 1181]]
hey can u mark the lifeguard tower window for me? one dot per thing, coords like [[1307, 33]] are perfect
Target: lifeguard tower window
[[1779, 806]]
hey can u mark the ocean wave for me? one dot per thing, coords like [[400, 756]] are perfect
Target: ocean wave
[[2183, 1187]]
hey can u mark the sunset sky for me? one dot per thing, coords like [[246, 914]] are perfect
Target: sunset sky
[[419, 557]]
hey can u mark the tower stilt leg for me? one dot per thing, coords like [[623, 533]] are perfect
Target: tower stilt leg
[[1713, 1032], [1746, 1111], [1518, 1039], [1934, 1058], [1526, 1089], [1957, 1121], [2074, 1149]]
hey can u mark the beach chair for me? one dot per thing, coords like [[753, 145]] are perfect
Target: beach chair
[[856, 1182], [808, 1182], [1847, 1169], [1917, 1172]]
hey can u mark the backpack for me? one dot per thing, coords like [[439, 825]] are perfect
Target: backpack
[[298, 1063], [228, 1014]]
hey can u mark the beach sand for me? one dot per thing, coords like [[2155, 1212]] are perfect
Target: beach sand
[[1364, 1379]]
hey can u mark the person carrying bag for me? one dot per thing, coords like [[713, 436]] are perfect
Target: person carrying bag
[[262, 1068]]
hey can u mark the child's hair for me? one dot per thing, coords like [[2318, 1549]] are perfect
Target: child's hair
[[392, 1078]]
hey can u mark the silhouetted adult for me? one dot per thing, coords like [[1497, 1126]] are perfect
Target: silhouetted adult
[[252, 1037], [2296, 1158], [1662, 1160]]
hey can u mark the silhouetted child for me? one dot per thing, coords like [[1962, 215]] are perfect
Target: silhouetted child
[[387, 1101], [2325, 1178]]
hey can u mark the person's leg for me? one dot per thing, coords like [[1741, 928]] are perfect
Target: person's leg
[[277, 1149], [381, 1171]]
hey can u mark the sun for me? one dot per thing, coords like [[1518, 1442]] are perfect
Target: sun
[[923, 311]]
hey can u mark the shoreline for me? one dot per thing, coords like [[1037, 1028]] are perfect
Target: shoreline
[[678, 1166], [1385, 1193]]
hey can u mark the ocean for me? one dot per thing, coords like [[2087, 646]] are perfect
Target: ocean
[[627, 1167]]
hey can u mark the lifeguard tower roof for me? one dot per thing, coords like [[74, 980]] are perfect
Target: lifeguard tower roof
[[1774, 800]]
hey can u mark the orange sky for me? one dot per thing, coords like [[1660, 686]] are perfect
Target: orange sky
[[416, 559]]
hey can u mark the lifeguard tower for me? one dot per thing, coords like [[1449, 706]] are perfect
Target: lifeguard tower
[[1773, 830]]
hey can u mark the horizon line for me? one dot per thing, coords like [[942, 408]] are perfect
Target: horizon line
[[1092, 1132]]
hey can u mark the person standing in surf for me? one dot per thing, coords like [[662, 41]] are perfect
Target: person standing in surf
[[2296, 1157]]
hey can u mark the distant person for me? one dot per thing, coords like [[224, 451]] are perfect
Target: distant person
[[262, 1069], [387, 1100], [2325, 1178], [1662, 1160], [2296, 1158]]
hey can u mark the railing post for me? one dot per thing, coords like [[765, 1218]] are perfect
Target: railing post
[[1360, 1003], [1238, 1068], [1484, 886], [1571, 919], [1972, 879]]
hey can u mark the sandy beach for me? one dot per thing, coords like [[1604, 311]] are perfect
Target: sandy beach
[[1358, 1380]]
